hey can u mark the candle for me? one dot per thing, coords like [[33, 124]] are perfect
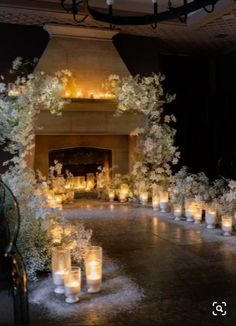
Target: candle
[[123, 192], [210, 218], [177, 212], [155, 197], [197, 215], [189, 213], [94, 277], [189, 209], [155, 203], [61, 263], [72, 285], [58, 277], [93, 268], [144, 197], [111, 195], [164, 199], [227, 225]]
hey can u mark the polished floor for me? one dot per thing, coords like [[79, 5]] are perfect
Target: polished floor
[[182, 269]]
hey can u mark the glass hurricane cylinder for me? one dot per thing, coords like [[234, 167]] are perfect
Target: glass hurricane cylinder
[[111, 194], [177, 212], [72, 285], [189, 209], [61, 263], [197, 214], [164, 199], [155, 198], [123, 192], [93, 269], [210, 215], [143, 197], [226, 225]]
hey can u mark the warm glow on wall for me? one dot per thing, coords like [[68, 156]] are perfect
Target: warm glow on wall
[[74, 90]]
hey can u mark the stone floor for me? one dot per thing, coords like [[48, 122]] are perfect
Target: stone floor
[[181, 268]]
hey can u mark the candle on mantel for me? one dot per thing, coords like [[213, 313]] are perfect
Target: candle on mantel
[[227, 225], [93, 267], [72, 285]]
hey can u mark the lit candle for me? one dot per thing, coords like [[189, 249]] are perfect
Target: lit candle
[[155, 203], [123, 192], [189, 210], [144, 197], [210, 218], [177, 212], [111, 195], [197, 215], [94, 277], [72, 285], [93, 267], [58, 279], [155, 197], [79, 93], [164, 199], [61, 263], [227, 225]]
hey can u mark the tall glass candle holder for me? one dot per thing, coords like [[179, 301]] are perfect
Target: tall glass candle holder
[[123, 192], [111, 194], [210, 215], [177, 212], [143, 197], [72, 285], [189, 209], [93, 269], [61, 263], [197, 214], [155, 198], [164, 199], [227, 225]]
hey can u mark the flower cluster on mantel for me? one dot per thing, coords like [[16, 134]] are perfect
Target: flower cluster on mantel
[[18, 123]]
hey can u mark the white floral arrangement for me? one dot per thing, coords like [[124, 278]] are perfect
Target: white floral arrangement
[[18, 123], [189, 185], [156, 152], [228, 199]]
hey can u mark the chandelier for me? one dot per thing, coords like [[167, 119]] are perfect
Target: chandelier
[[162, 10]]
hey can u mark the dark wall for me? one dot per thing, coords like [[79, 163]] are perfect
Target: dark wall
[[23, 41], [204, 86]]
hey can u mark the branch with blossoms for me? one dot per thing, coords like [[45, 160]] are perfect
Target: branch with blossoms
[[155, 152], [19, 111]]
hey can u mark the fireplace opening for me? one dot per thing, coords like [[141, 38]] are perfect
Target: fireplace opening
[[81, 161]]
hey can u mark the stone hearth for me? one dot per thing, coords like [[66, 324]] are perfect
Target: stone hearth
[[85, 122]]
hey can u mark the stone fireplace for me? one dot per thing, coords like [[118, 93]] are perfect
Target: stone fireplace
[[88, 133]]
